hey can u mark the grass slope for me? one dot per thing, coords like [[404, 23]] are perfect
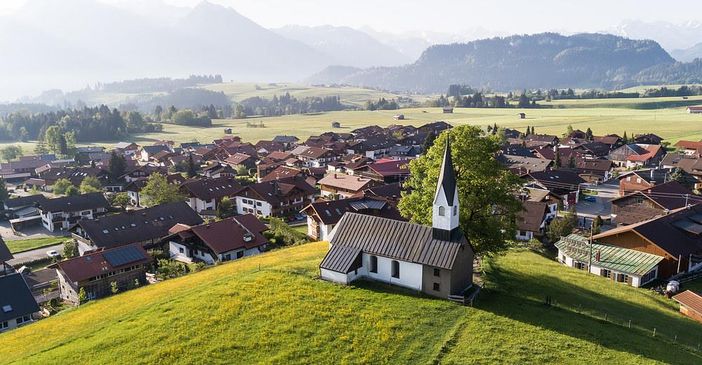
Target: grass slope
[[273, 309]]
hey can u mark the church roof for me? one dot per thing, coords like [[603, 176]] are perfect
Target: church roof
[[447, 178]]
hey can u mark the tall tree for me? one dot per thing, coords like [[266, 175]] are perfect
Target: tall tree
[[429, 141], [4, 194], [158, 191], [11, 152], [588, 134], [488, 206], [90, 184], [192, 169], [118, 165]]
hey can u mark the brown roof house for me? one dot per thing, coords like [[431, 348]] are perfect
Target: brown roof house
[[344, 186], [278, 198], [17, 304], [532, 220], [690, 304], [323, 216], [206, 194], [97, 272], [657, 200], [677, 237], [225, 240], [437, 259]]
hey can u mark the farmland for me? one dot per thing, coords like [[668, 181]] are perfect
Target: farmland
[[260, 309], [601, 115]]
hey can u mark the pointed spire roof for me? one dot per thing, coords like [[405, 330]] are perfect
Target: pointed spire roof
[[447, 177]]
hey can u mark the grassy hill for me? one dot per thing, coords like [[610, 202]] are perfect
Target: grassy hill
[[273, 309]]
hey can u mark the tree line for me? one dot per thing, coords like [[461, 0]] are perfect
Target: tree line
[[286, 105]]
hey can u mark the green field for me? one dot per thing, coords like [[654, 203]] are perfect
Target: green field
[[273, 309], [351, 95], [32, 243]]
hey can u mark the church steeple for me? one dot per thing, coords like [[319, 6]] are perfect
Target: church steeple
[[445, 211]]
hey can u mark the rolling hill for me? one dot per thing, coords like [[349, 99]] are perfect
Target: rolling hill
[[273, 309], [546, 60]]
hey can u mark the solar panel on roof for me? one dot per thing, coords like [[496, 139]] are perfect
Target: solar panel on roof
[[123, 256]]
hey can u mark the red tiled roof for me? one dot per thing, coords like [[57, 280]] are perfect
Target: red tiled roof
[[690, 299]]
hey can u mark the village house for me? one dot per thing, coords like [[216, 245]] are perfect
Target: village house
[[374, 147], [648, 138], [95, 272], [343, 186], [322, 216], [690, 304], [216, 170], [61, 213], [24, 167], [206, 194], [147, 152], [542, 195], [126, 148], [436, 260], [690, 148], [278, 198], [520, 165], [146, 226], [281, 172], [532, 220], [646, 204], [386, 171], [286, 141], [316, 156], [17, 304], [594, 170], [564, 184], [676, 237], [225, 240], [638, 180], [612, 140], [623, 265], [241, 159], [637, 155]]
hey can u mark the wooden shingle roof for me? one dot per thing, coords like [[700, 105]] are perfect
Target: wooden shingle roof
[[396, 239]]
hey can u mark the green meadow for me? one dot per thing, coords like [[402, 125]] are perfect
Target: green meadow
[[272, 308]]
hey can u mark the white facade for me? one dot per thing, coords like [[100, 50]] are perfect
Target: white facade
[[409, 274], [524, 235], [636, 280], [15, 322], [180, 252], [323, 231], [199, 205], [62, 220], [246, 205], [445, 216], [134, 198]]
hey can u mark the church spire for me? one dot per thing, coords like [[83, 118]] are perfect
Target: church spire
[[445, 212], [447, 177]]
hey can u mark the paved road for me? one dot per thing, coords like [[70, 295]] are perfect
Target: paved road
[[28, 256]]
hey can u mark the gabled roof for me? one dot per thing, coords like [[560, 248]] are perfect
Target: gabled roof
[[138, 225], [671, 195], [690, 300], [274, 191], [524, 165], [610, 257], [25, 201], [347, 182], [94, 264], [285, 139], [342, 259], [386, 168], [447, 176], [238, 158], [396, 240], [281, 172], [559, 181], [16, 300], [155, 149], [532, 216], [331, 211], [673, 233], [231, 234], [211, 188], [75, 203], [314, 152]]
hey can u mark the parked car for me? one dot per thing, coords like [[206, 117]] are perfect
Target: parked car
[[53, 254]]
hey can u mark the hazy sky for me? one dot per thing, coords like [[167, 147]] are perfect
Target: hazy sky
[[505, 16]]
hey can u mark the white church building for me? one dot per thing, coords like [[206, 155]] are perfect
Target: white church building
[[436, 260]]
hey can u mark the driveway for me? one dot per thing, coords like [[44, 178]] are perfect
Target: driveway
[[33, 255]]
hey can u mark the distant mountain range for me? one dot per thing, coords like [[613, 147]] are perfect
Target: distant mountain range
[[546, 60]]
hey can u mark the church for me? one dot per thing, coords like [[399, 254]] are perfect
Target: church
[[436, 260]]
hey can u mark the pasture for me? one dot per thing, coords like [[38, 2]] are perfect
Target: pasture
[[260, 309]]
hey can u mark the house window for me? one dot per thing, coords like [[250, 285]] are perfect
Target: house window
[[374, 264], [437, 287], [455, 209], [181, 250], [579, 265], [437, 272], [395, 269], [4, 325], [240, 254], [442, 211], [605, 273], [623, 278]]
